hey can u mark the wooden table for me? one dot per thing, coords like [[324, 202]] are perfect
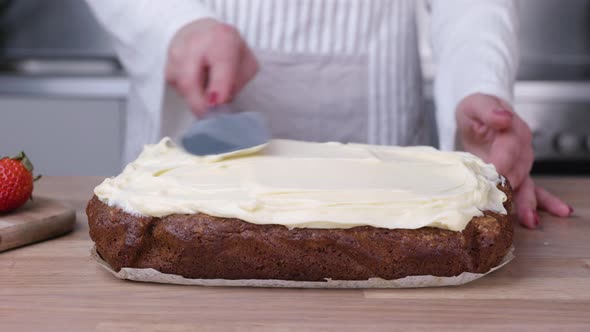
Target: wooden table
[[54, 285]]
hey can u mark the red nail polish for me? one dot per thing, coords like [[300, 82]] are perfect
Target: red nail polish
[[503, 112], [479, 128], [529, 219], [571, 209], [213, 99], [536, 217]]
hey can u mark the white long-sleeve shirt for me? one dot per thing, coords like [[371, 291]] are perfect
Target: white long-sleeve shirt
[[366, 48]]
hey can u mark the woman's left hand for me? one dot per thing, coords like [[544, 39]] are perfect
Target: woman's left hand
[[489, 129]]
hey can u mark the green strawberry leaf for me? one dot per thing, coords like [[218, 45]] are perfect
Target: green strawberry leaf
[[22, 157]]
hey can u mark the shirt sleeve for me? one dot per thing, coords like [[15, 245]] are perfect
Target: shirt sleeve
[[142, 31], [475, 46]]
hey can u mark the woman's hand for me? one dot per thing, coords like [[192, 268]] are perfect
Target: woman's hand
[[489, 129], [209, 63]]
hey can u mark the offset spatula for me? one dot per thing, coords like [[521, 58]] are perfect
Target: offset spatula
[[224, 131]]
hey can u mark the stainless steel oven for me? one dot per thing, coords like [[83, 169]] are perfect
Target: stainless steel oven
[[553, 87], [553, 92]]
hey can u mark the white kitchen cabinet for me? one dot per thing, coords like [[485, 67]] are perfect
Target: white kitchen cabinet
[[64, 136], [68, 124]]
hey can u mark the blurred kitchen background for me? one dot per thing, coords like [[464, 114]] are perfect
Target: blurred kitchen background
[[63, 92]]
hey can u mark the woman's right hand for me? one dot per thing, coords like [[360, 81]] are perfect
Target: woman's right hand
[[209, 63]]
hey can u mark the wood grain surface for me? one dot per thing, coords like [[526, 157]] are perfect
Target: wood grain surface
[[39, 219], [55, 286]]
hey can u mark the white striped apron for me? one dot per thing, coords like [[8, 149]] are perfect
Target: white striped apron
[[333, 70]]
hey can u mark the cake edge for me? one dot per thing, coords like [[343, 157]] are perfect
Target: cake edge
[[207, 247]]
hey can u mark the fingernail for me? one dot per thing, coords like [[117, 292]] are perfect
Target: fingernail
[[503, 112], [213, 99], [536, 218], [527, 219], [479, 128], [571, 209], [531, 219]]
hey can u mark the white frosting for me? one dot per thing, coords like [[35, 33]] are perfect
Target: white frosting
[[314, 185]]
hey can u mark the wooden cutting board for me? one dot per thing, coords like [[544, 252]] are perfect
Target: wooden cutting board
[[37, 220]]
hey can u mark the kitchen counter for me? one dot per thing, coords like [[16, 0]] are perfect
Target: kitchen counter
[[54, 285]]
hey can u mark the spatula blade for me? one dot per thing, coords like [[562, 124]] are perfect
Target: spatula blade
[[223, 132]]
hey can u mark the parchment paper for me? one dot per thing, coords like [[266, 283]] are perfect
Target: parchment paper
[[151, 275]]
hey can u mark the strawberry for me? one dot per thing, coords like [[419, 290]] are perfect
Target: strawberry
[[16, 182]]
